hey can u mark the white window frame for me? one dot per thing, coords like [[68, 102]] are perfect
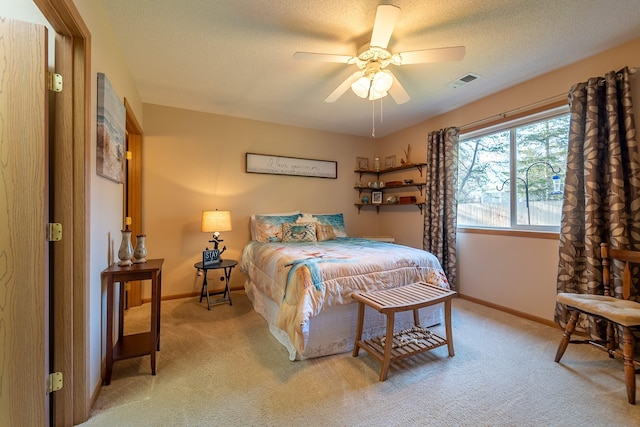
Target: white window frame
[[510, 126]]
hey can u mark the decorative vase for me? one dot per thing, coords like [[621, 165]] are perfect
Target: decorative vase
[[125, 253], [140, 252]]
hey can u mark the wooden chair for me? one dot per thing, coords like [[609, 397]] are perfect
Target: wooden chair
[[614, 311]]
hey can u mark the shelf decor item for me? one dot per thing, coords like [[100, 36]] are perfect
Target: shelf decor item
[[125, 253], [140, 252], [362, 163], [376, 197], [390, 162], [407, 154]]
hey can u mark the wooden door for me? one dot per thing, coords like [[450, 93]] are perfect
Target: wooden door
[[24, 290], [133, 193]]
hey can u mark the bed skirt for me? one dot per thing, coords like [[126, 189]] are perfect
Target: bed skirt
[[333, 331]]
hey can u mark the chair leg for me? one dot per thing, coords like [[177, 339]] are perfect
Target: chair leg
[[612, 342], [566, 335], [629, 369]]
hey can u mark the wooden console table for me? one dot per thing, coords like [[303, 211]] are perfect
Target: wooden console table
[[404, 298], [134, 345]]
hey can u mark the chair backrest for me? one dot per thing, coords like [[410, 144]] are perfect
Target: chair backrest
[[629, 257]]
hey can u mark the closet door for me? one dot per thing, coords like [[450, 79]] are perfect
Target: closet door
[[24, 201]]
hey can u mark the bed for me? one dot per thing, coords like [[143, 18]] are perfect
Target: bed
[[302, 268]]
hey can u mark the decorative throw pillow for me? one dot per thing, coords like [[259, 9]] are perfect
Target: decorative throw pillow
[[334, 220], [268, 228], [325, 232], [296, 212], [299, 232], [307, 218]]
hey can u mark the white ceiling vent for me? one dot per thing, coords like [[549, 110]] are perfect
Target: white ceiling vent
[[466, 79]]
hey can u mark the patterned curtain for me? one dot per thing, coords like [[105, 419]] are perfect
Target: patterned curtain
[[602, 190], [440, 217]]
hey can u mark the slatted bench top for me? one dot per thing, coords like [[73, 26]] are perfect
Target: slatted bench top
[[404, 298]]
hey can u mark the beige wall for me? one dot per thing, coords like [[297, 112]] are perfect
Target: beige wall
[[513, 272], [106, 208], [195, 161]]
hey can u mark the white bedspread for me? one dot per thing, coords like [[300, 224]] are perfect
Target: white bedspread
[[304, 278]]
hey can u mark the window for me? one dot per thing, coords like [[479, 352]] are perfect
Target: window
[[511, 175]]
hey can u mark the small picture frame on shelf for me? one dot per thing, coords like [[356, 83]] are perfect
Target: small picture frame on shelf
[[390, 162], [376, 197], [362, 163]]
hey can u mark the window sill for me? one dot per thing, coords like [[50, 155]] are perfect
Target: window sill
[[511, 233]]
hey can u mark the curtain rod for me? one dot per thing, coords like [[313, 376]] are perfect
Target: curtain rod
[[632, 70], [515, 110]]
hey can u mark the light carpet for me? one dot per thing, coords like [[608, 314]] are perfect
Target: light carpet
[[223, 368]]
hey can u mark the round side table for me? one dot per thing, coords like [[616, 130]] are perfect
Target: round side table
[[225, 264]]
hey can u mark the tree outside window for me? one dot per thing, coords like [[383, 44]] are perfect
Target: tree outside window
[[512, 177]]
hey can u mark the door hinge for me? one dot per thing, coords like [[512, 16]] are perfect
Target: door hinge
[[54, 82], [54, 232], [129, 155], [54, 382]]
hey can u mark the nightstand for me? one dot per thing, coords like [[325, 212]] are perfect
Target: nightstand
[[226, 265]]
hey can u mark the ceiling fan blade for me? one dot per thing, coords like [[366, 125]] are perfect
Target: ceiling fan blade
[[386, 16], [322, 57], [344, 86], [443, 54], [397, 92]]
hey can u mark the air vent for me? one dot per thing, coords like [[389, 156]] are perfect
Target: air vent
[[466, 79]]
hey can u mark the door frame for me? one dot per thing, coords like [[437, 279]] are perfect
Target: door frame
[[70, 281], [133, 192]]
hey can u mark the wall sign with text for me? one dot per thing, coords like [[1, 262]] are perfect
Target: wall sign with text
[[281, 165]]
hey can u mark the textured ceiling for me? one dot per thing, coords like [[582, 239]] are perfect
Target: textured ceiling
[[235, 57]]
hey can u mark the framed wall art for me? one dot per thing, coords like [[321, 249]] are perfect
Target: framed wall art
[[376, 197], [362, 163], [282, 165], [111, 122], [390, 162]]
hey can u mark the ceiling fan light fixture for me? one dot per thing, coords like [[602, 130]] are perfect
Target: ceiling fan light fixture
[[373, 81], [382, 81], [374, 94], [361, 87]]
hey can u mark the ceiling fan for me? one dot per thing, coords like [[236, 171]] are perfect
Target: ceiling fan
[[373, 80]]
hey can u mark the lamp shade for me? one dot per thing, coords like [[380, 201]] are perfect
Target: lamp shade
[[213, 221], [374, 94], [382, 81], [361, 87]]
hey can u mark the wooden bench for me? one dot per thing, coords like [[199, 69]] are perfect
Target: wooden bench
[[407, 343]]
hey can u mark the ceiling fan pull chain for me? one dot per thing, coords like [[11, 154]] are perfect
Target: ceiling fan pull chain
[[373, 119]]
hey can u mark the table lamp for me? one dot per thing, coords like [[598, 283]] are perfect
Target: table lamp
[[215, 222]]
